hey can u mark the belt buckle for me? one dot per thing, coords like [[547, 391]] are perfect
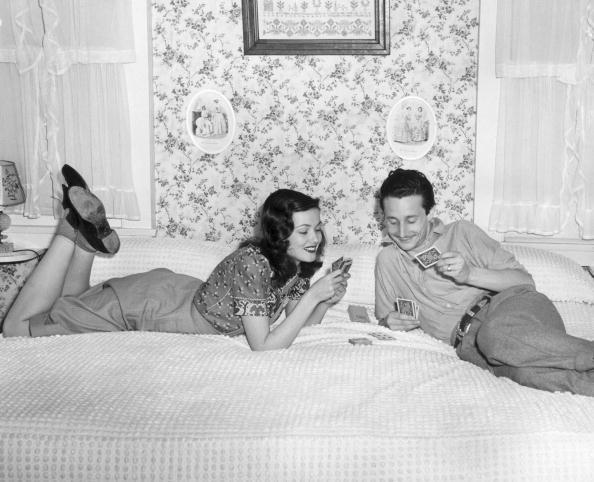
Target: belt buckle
[[466, 320], [463, 326]]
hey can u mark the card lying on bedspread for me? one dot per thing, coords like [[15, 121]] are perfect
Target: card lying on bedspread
[[183, 407]]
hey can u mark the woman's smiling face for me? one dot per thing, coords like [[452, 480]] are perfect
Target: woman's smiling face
[[306, 236]]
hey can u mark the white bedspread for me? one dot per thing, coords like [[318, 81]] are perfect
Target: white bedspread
[[147, 406]]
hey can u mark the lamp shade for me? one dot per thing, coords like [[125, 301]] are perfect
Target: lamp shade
[[11, 189]]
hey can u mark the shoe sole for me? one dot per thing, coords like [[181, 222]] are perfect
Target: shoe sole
[[95, 229]]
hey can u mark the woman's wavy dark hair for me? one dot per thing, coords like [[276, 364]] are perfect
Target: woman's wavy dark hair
[[276, 225], [407, 182]]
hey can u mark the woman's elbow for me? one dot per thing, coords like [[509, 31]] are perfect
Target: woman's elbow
[[266, 348], [265, 345]]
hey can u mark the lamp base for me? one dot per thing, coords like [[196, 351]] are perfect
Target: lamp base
[[6, 248]]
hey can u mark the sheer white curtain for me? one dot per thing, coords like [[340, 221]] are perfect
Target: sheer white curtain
[[63, 97], [545, 147]]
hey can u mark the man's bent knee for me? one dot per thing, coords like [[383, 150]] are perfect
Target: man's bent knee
[[492, 343]]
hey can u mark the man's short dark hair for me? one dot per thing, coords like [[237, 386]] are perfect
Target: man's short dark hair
[[408, 182]]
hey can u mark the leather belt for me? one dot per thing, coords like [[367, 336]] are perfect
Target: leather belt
[[466, 321]]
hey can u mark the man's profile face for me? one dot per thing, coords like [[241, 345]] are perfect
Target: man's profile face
[[406, 221]]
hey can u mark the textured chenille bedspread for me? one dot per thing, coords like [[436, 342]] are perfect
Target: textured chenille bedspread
[[147, 406], [164, 407]]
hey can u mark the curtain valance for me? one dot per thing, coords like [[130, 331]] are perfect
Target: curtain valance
[[538, 38], [65, 32]]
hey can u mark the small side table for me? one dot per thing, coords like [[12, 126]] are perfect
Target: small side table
[[15, 267]]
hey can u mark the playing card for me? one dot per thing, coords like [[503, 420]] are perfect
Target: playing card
[[358, 314], [359, 341], [406, 307], [428, 257], [337, 264], [346, 265], [381, 336]]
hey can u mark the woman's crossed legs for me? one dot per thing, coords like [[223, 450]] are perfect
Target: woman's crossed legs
[[65, 268]]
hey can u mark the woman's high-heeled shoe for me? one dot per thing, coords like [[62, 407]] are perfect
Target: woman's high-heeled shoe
[[87, 216], [87, 213], [72, 177]]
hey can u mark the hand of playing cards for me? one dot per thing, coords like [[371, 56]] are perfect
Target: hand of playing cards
[[408, 308], [332, 287], [405, 316], [343, 264]]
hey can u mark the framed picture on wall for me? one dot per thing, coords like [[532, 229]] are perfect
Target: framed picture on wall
[[411, 128], [210, 121], [316, 27]]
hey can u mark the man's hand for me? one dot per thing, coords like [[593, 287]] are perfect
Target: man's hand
[[453, 265], [397, 322]]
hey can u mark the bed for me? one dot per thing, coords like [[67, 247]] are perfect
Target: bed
[[157, 406]]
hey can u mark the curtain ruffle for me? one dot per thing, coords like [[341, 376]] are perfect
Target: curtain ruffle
[[526, 219], [117, 202]]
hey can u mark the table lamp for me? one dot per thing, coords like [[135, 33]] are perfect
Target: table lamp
[[11, 194]]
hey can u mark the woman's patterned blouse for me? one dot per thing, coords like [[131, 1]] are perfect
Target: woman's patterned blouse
[[241, 285]]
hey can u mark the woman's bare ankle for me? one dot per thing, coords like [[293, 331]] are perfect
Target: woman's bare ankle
[[66, 230]]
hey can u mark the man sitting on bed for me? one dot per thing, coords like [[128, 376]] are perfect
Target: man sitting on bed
[[457, 284]]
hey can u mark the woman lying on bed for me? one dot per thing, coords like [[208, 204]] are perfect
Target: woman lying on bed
[[245, 293]]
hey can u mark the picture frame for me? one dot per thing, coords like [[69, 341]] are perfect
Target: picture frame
[[210, 121], [411, 128], [316, 27]]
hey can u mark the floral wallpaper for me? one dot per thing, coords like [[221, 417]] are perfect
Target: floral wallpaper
[[311, 123]]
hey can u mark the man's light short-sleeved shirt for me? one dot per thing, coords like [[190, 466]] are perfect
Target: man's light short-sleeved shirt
[[442, 302]]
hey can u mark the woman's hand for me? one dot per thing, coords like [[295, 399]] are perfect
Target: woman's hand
[[396, 321], [340, 291], [330, 288], [453, 265]]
